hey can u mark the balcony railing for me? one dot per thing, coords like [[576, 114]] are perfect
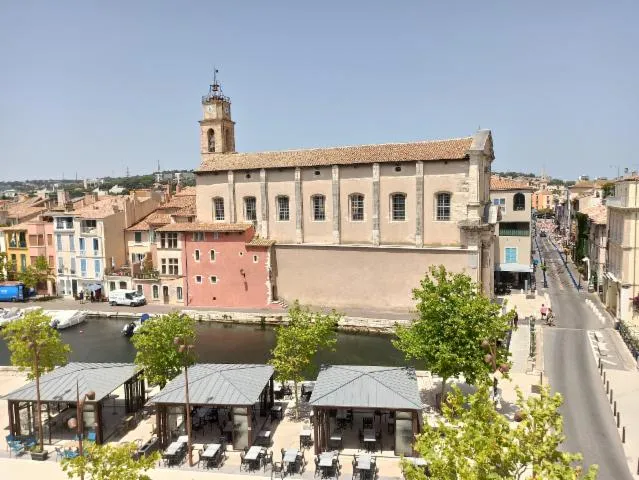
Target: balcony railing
[[83, 253], [89, 230], [513, 232], [17, 244], [153, 275]]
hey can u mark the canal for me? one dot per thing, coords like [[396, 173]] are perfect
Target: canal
[[100, 340]]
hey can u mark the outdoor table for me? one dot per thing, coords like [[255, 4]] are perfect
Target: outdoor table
[[183, 439], [211, 452], [173, 448], [305, 437], [369, 438], [253, 455], [364, 462], [326, 459], [290, 458], [264, 436], [277, 410], [336, 438]]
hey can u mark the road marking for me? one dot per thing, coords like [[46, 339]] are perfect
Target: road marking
[[598, 348]]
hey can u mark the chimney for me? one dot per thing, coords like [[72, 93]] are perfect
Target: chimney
[[95, 196], [68, 206], [63, 197]]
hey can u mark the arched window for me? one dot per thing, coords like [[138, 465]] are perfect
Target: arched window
[[357, 207], [218, 208], [283, 209], [210, 138], [319, 207], [519, 202], [250, 209], [442, 213], [398, 207]]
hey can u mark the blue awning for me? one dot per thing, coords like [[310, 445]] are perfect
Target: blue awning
[[513, 267]]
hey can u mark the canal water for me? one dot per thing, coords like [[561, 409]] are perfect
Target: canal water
[[100, 340]]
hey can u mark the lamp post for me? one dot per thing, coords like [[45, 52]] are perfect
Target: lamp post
[[184, 348], [78, 422]]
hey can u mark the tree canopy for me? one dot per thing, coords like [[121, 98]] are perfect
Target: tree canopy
[[35, 274], [474, 441], [156, 352], [111, 462], [298, 342], [454, 320]]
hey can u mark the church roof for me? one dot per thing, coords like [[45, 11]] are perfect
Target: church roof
[[454, 149], [501, 183]]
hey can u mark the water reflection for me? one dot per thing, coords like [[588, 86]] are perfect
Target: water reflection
[[99, 340]]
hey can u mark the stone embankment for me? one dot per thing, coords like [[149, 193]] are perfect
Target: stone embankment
[[346, 324]]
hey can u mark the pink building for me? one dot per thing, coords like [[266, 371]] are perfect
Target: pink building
[[224, 265]]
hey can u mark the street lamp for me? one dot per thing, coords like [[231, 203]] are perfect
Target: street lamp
[[184, 348], [78, 422]]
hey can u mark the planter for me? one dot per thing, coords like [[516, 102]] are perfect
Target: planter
[[39, 456]]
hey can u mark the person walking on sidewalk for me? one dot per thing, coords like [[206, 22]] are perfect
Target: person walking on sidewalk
[[550, 318], [515, 319], [544, 311]]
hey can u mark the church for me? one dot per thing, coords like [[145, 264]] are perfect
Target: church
[[351, 226]]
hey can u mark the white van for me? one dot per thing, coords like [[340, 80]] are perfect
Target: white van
[[130, 298]]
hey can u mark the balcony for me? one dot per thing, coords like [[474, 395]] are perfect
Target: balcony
[[89, 230], [18, 244], [60, 269], [63, 226], [152, 275]]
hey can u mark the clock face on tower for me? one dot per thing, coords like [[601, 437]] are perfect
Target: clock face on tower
[[210, 109]]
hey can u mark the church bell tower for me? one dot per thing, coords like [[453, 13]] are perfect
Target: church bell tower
[[217, 130]]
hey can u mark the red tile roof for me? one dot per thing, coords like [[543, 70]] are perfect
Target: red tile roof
[[454, 149], [501, 183]]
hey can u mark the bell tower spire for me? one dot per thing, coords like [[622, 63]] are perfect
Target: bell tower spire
[[217, 129]]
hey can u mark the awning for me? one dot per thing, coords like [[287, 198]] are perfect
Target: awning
[[513, 267], [94, 287], [612, 277]]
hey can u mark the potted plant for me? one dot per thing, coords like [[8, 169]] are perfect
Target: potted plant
[[39, 454]]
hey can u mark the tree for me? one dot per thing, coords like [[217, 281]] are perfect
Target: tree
[[4, 260], [36, 348], [111, 462], [147, 264], [36, 274], [156, 352], [298, 342], [454, 320], [474, 441], [608, 189]]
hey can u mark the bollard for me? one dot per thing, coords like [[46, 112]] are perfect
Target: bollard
[[618, 419], [614, 410], [623, 435], [607, 387], [611, 395], [600, 364], [600, 367], [604, 378]]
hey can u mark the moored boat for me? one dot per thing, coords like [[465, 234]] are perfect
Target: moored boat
[[61, 319]]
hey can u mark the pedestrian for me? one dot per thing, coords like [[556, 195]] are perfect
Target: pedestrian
[[92, 297], [516, 319], [544, 311], [550, 317]]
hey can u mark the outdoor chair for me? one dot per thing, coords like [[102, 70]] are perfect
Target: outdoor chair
[[16, 448], [9, 438], [243, 463], [301, 459], [268, 459], [277, 468], [91, 437], [200, 451], [70, 454]]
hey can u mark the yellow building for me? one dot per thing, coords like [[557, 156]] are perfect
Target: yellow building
[[17, 247]]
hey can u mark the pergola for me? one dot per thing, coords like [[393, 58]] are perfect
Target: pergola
[[367, 389], [237, 387], [59, 392]]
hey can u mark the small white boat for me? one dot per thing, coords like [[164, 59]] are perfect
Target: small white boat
[[61, 319], [8, 315]]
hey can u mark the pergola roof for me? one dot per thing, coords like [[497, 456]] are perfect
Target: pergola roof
[[218, 384], [60, 384], [352, 386]]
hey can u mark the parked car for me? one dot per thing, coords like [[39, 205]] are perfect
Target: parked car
[[129, 298]]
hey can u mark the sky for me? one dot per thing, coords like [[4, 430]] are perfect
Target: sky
[[91, 88]]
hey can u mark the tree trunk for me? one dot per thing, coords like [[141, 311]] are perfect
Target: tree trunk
[[297, 401], [441, 394], [38, 404]]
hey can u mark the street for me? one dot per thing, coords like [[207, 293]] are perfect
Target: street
[[571, 369]]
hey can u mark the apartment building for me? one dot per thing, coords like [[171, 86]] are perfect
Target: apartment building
[[621, 278], [90, 239], [513, 241], [597, 243], [356, 225]]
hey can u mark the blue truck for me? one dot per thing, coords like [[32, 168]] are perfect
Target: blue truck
[[13, 292]]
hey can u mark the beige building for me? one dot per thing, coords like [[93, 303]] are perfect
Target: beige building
[[89, 239], [354, 226], [513, 243], [597, 243], [621, 280]]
